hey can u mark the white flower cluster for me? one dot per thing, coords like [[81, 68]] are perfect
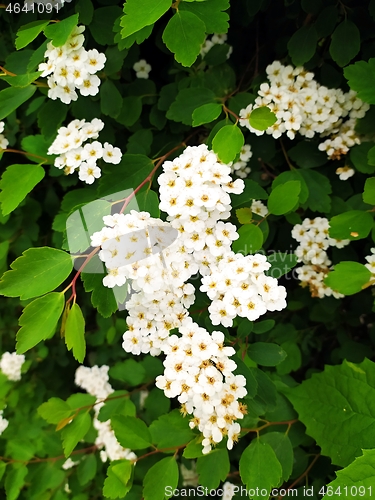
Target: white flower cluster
[[3, 422], [95, 381], [11, 364], [190, 477], [74, 155], [3, 142], [314, 240], [194, 191], [216, 39], [302, 105], [240, 168], [229, 490], [142, 69], [72, 67]]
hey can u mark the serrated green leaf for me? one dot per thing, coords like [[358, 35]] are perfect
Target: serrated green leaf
[[75, 333], [260, 468], [72, 433], [213, 468], [184, 36], [59, 32], [361, 77], [211, 13], [369, 191], [36, 272], [27, 33], [136, 18], [302, 44], [116, 405], [131, 432], [206, 113], [362, 156], [13, 192], [15, 480], [39, 320], [228, 142], [194, 448], [12, 98], [266, 354], [118, 476], [352, 225], [54, 410], [102, 23], [164, 473], [250, 239], [244, 215], [262, 118], [171, 430], [345, 43], [337, 406], [102, 297], [348, 277], [187, 100], [282, 447], [284, 198]]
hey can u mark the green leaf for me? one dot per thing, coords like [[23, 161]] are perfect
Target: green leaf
[[284, 198], [39, 320], [361, 77], [251, 192], [22, 81], [206, 113], [187, 100], [12, 98], [74, 432], [281, 263], [59, 32], [116, 405], [357, 477], [302, 45], [194, 448], [86, 469], [110, 99], [50, 117], [352, 225], [228, 142], [262, 118], [136, 18], [75, 333], [244, 215], [319, 188], [118, 476], [211, 13], [307, 155], [250, 240], [85, 10], [102, 23], [266, 354], [362, 157], [282, 447], [184, 36], [213, 468], [337, 406], [263, 326], [129, 371], [345, 43], [348, 277], [369, 191], [12, 190], [160, 476], [171, 430], [102, 297], [293, 175], [131, 110], [37, 146], [15, 480], [131, 432], [370, 160], [27, 33], [260, 468], [36, 272], [293, 359], [54, 410]]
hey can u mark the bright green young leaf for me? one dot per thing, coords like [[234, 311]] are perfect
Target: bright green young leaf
[[13, 192], [244, 215], [266, 354], [228, 142], [281, 263], [72, 433], [160, 476], [12, 98], [352, 225], [75, 333], [39, 320], [250, 240], [213, 468], [206, 113], [86, 469], [27, 33], [36, 272], [187, 101], [302, 44], [357, 477], [22, 81], [348, 277], [369, 191], [184, 36], [54, 410], [76, 401], [15, 480], [135, 18], [131, 432], [293, 175], [282, 447], [262, 118], [345, 43], [361, 77], [60, 32], [260, 468], [284, 198], [118, 476], [171, 430], [211, 13]]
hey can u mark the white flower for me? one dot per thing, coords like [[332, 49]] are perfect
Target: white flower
[[95, 61], [345, 173], [142, 69], [111, 154], [88, 172]]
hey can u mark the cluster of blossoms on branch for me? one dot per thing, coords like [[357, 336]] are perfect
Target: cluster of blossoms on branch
[[314, 240], [216, 39], [240, 168], [10, 365], [302, 105], [3, 141], [74, 155], [371, 263], [72, 67], [94, 381], [194, 192]]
